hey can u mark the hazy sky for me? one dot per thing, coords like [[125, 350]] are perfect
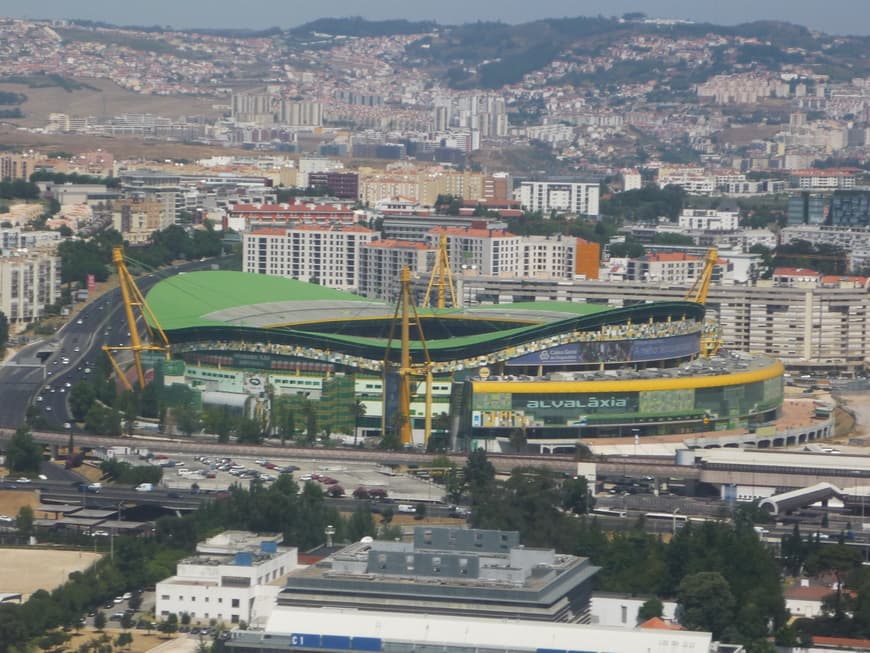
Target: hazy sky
[[834, 16]]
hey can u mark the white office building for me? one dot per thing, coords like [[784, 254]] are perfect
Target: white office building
[[234, 577], [574, 197]]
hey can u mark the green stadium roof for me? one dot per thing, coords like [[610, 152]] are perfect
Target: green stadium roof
[[187, 300], [221, 305]]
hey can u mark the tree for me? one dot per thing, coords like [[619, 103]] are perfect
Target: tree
[[4, 334], [187, 419], [135, 601], [705, 602], [81, 398], [24, 521], [420, 511], [479, 472], [22, 453], [518, 439], [309, 410], [575, 495], [651, 608], [357, 412], [169, 625], [99, 620], [124, 640], [127, 621]]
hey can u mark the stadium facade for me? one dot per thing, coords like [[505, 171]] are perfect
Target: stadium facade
[[554, 370]]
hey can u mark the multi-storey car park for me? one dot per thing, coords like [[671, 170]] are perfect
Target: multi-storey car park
[[555, 371]]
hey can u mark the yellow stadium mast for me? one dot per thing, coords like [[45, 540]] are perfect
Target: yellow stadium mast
[[401, 420], [711, 339], [698, 292], [133, 299], [442, 273]]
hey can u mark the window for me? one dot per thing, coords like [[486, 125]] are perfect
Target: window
[[235, 604], [164, 597], [624, 615]]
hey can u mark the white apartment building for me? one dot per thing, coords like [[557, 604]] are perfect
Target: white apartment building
[[381, 261], [326, 255], [15, 238], [233, 577], [709, 220], [575, 197], [695, 181], [665, 267], [29, 281]]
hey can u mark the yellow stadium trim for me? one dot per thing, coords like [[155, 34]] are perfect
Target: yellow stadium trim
[[631, 385]]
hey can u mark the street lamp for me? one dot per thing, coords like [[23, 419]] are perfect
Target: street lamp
[[636, 439], [674, 521]]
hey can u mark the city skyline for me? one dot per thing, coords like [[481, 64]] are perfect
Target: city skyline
[[836, 16]]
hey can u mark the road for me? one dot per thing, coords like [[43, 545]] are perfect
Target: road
[[69, 355]]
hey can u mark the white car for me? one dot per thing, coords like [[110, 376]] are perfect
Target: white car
[[23, 480], [6, 519]]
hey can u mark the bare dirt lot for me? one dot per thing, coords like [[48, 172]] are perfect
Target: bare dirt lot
[[11, 501], [108, 99], [122, 147], [142, 641], [46, 568]]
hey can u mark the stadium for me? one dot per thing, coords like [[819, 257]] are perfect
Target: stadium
[[557, 371]]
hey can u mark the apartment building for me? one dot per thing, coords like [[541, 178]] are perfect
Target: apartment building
[[665, 267], [381, 261], [136, 219], [29, 281], [326, 255], [233, 577], [822, 327], [574, 197], [499, 253], [243, 217], [424, 186], [709, 220]]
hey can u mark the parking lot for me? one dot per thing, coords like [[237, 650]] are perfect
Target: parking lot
[[211, 473]]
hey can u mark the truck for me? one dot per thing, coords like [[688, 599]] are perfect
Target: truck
[[145, 487]]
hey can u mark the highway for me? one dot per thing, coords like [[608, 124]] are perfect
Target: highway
[[69, 355]]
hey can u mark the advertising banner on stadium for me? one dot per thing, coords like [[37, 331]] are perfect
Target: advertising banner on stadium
[[609, 351]]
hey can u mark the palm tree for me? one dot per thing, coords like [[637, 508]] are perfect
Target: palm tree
[[357, 411]]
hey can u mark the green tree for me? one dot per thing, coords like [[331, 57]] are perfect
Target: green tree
[[249, 431], [22, 453], [420, 510], [169, 626], [187, 419], [651, 608], [705, 602], [24, 520], [220, 421], [100, 620], [124, 640], [479, 472], [575, 495], [81, 398], [361, 524], [4, 334], [357, 412]]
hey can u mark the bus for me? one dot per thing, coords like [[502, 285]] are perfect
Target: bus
[[669, 516], [609, 512]]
